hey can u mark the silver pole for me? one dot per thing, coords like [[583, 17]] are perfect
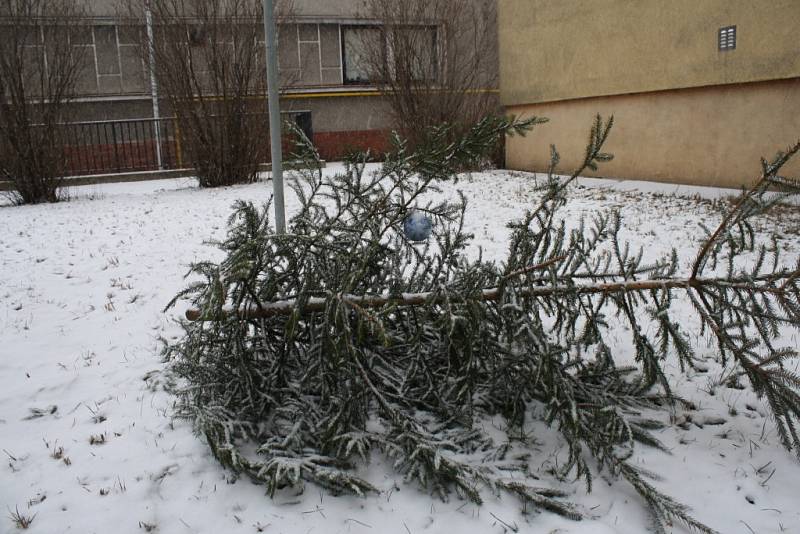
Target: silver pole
[[274, 115], [151, 53]]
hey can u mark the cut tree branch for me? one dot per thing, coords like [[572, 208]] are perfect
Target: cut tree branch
[[768, 174], [318, 304]]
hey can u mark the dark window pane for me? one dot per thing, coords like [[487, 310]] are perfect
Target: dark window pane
[[105, 40], [81, 35], [288, 54], [87, 76], [415, 53], [130, 34], [309, 64], [331, 55], [133, 70], [308, 32], [360, 46], [31, 35]]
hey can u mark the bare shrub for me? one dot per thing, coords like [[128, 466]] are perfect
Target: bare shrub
[[209, 64], [38, 74], [436, 61]]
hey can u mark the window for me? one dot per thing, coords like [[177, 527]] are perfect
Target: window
[[406, 53], [110, 60], [197, 36], [359, 44], [727, 38], [413, 53]]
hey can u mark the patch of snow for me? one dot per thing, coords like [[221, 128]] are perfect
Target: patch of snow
[[88, 444]]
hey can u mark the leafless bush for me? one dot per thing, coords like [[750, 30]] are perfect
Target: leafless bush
[[209, 64], [38, 73], [436, 60]]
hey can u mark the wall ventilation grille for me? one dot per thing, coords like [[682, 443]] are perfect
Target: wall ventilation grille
[[727, 38]]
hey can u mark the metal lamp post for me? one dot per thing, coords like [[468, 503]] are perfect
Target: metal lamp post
[[151, 56], [274, 114]]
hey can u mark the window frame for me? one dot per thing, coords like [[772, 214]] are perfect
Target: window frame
[[435, 50], [388, 55], [343, 28]]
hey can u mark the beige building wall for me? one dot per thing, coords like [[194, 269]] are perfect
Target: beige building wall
[[685, 111], [703, 136], [574, 48]]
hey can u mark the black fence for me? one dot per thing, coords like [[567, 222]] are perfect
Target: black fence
[[138, 145], [118, 146]]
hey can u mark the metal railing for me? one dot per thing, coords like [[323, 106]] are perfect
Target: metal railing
[[117, 146], [137, 145]]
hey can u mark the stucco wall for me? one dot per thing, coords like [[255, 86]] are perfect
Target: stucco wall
[[327, 8], [342, 113], [328, 113], [333, 9], [303, 8], [102, 8], [704, 136], [555, 50]]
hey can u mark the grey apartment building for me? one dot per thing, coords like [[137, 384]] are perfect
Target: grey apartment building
[[314, 48], [319, 61]]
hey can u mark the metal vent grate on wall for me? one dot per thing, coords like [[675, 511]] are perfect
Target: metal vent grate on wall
[[727, 38]]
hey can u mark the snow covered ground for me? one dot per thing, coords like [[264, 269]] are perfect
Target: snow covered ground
[[86, 435]]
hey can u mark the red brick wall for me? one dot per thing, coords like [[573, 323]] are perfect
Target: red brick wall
[[125, 157], [141, 155], [333, 146]]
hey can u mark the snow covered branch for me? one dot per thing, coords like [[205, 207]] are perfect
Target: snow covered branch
[[429, 298]]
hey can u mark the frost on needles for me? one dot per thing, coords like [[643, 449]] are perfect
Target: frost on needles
[[315, 349]]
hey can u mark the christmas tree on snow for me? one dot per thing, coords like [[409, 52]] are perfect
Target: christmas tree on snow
[[345, 337]]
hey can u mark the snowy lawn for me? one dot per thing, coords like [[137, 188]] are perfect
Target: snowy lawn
[[89, 445]]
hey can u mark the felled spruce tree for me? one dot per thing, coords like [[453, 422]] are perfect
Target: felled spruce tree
[[340, 338]]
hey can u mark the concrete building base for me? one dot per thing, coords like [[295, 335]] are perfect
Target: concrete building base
[[712, 136]]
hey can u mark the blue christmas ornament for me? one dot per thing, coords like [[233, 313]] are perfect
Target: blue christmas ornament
[[417, 226]]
